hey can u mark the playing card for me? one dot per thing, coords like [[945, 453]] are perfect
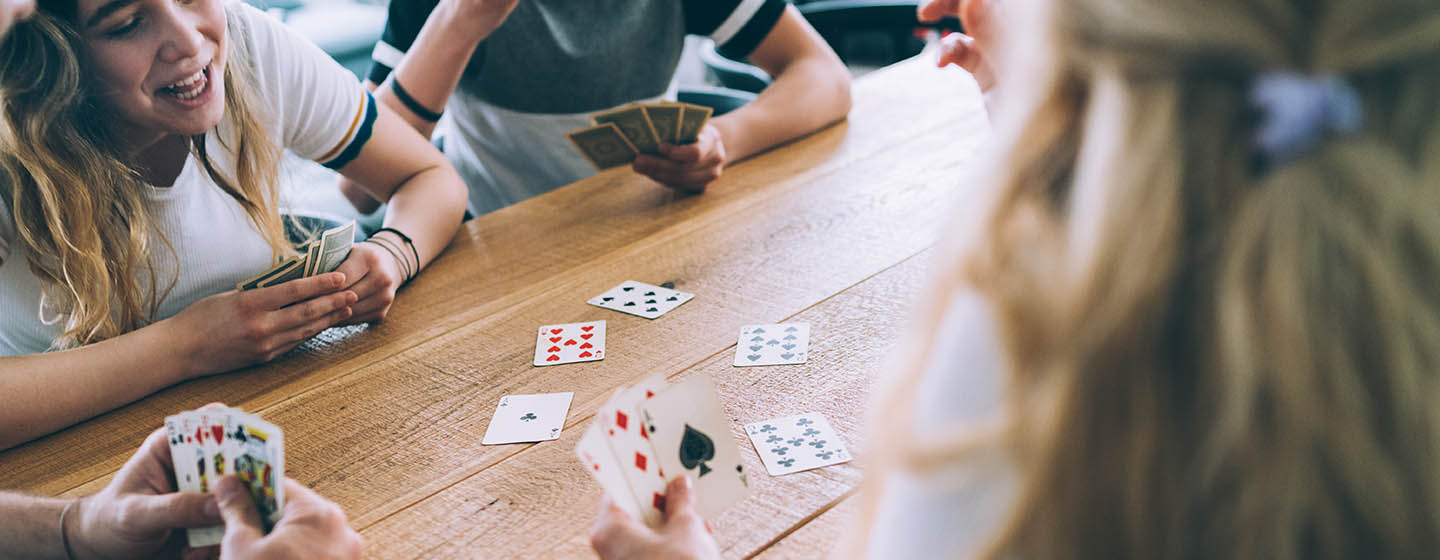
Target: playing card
[[570, 343], [527, 418], [604, 145], [692, 120], [635, 125], [639, 298], [625, 435], [797, 443], [260, 464], [692, 436], [188, 457], [769, 345], [334, 247], [597, 459], [666, 119]]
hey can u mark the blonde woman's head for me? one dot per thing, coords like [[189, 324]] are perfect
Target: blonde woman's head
[[86, 87], [1210, 358]]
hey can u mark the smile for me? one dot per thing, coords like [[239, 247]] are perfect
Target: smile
[[189, 88]]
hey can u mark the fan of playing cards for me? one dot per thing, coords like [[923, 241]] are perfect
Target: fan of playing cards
[[317, 256], [621, 134], [212, 442]]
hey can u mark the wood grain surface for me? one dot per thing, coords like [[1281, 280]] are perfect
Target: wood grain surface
[[834, 229]]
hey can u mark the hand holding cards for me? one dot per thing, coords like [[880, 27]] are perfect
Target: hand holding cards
[[212, 442], [317, 256], [649, 433], [621, 134]]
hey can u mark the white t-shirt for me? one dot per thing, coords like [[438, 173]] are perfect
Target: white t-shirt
[[316, 109], [950, 513]]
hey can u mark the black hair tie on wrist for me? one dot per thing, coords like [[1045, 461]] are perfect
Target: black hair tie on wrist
[[407, 241], [410, 103]]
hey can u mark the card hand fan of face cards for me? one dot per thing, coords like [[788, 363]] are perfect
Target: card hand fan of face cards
[[212, 442]]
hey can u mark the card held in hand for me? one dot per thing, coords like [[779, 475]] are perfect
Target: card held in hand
[[635, 125], [604, 145], [666, 119], [692, 121], [797, 443], [692, 436], [570, 343]]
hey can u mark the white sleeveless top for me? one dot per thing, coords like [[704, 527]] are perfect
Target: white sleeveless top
[[317, 109], [950, 513]]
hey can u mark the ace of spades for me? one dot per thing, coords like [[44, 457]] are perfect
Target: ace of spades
[[692, 436]]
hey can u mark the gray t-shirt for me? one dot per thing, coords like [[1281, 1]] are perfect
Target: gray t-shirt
[[551, 64]]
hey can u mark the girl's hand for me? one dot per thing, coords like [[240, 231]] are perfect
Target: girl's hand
[[375, 276], [236, 329]]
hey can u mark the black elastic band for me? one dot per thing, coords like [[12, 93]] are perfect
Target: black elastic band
[[395, 253], [407, 241], [411, 103]]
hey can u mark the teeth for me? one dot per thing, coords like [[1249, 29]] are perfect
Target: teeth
[[188, 81]]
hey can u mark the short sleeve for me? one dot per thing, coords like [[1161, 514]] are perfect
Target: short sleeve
[[736, 26], [323, 112], [402, 26]]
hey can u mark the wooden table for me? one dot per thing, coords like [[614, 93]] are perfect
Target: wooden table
[[835, 229]]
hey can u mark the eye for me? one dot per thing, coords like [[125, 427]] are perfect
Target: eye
[[125, 28]]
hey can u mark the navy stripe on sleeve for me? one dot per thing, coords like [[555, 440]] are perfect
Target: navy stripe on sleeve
[[362, 135], [754, 32]]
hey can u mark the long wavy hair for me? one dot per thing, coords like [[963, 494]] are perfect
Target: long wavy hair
[[1205, 360], [76, 200]]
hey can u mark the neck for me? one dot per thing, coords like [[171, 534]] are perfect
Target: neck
[[161, 160]]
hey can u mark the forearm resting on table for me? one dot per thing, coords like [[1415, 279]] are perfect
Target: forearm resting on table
[[31, 527], [428, 210], [808, 95], [42, 393]]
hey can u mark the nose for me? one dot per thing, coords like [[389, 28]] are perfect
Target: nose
[[183, 39]]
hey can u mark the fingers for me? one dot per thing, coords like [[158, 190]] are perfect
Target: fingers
[[691, 175], [681, 152], [154, 514], [680, 500], [293, 337], [615, 531], [314, 311], [935, 10], [242, 519], [282, 295]]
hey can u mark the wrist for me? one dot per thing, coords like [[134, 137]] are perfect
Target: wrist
[[74, 537], [461, 26], [165, 338]]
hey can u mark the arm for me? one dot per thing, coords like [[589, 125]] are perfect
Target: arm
[[432, 68], [219, 333], [133, 517], [811, 90], [426, 200]]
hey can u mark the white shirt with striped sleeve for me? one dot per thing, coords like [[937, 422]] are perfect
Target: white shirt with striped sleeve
[[312, 106]]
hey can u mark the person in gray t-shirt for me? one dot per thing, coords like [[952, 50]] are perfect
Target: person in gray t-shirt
[[512, 78]]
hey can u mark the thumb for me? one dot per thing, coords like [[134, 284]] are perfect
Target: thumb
[[679, 498], [242, 520], [175, 510]]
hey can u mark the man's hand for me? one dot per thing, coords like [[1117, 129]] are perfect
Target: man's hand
[[686, 167], [136, 514], [684, 536], [312, 528]]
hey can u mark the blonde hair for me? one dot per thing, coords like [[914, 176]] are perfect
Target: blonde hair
[[78, 204], [1205, 361]]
